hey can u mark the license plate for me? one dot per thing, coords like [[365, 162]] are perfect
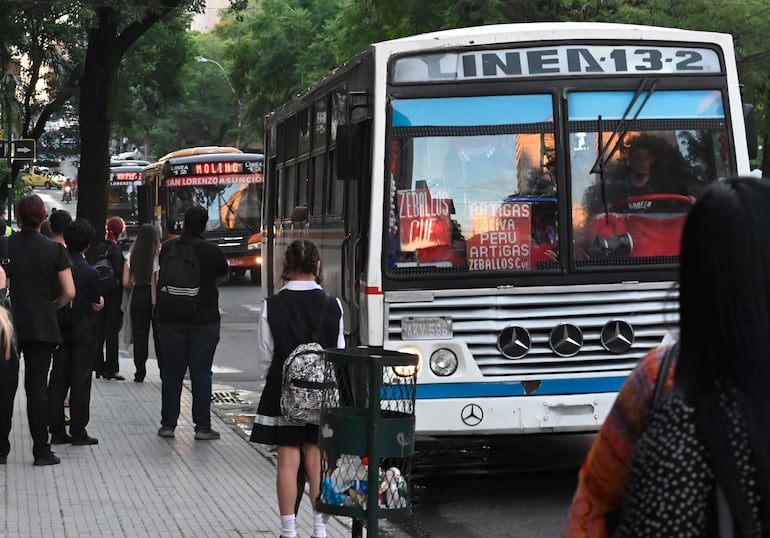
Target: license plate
[[426, 328]]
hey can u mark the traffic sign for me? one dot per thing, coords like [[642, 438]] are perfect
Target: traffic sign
[[23, 149]]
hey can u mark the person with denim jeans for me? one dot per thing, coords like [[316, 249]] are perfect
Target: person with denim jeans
[[189, 339]]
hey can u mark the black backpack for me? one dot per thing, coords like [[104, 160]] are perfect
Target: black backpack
[[107, 279], [179, 279]]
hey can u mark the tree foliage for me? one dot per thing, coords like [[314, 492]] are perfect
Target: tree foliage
[[152, 80], [78, 46]]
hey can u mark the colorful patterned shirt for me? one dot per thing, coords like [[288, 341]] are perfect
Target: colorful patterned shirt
[[602, 477]]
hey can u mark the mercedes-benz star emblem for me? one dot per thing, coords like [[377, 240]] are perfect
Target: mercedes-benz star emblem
[[472, 415], [514, 342], [617, 336], [566, 340]]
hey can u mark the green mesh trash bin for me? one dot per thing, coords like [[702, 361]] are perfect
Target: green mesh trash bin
[[367, 434]]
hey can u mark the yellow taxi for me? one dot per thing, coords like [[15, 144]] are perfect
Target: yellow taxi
[[42, 176]]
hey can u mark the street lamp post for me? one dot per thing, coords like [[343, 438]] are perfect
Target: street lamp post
[[235, 94]]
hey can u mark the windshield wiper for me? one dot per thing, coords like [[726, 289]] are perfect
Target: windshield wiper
[[618, 134], [235, 212]]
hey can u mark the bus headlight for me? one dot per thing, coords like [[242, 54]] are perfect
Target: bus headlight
[[443, 362], [408, 371]]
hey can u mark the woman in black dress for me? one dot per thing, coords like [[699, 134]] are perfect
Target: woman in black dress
[[301, 300]]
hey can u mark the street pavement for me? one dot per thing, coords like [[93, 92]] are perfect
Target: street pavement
[[134, 483]]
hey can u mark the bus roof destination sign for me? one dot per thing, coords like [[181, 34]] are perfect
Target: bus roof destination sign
[[558, 60]]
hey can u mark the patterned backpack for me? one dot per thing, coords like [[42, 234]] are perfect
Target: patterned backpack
[[304, 379]]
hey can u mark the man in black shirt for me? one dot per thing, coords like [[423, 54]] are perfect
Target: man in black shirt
[[190, 339]]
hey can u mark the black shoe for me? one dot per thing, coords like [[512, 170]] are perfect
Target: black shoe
[[84, 439], [48, 459], [138, 378], [206, 435], [60, 439], [166, 431], [116, 376]]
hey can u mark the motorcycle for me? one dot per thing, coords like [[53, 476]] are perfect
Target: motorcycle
[[67, 194]]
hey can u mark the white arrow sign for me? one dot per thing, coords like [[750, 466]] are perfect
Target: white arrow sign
[[23, 149]]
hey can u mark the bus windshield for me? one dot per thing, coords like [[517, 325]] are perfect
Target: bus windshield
[[475, 180], [121, 202], [636, 168], [230, 207], [475, 183]]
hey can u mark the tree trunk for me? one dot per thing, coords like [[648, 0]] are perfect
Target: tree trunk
[[96, 88], [106, 48]]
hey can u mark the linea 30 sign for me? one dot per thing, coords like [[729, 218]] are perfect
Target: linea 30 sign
[[557, 60]]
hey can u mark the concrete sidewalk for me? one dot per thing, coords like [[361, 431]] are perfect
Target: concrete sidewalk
[[134, 483]]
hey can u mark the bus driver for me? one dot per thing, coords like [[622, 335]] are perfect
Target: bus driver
[[653, 167]]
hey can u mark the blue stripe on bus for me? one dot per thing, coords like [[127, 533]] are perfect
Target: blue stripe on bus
[[589, 385]]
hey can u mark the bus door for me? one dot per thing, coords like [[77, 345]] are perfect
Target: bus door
[[352, 163]]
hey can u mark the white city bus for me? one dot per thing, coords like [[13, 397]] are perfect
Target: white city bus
[[476, 202]]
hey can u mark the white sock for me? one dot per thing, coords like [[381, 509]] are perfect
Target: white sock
[[319, 525], [289, 526]]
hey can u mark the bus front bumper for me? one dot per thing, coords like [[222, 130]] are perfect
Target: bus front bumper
[[512, 414]]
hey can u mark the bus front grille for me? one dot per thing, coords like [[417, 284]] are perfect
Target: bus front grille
[[478, 317]]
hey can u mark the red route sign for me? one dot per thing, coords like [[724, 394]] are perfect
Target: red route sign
[[502, 237], [424, 221]]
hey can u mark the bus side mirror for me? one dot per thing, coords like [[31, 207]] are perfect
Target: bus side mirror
[[348, 152], [752, 130]]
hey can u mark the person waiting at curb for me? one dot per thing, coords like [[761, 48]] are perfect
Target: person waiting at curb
[[58, 220], [41, 283], [73, 359], [108, 321], [9, 374], [138, 275], [299, 303], [189, 339]]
